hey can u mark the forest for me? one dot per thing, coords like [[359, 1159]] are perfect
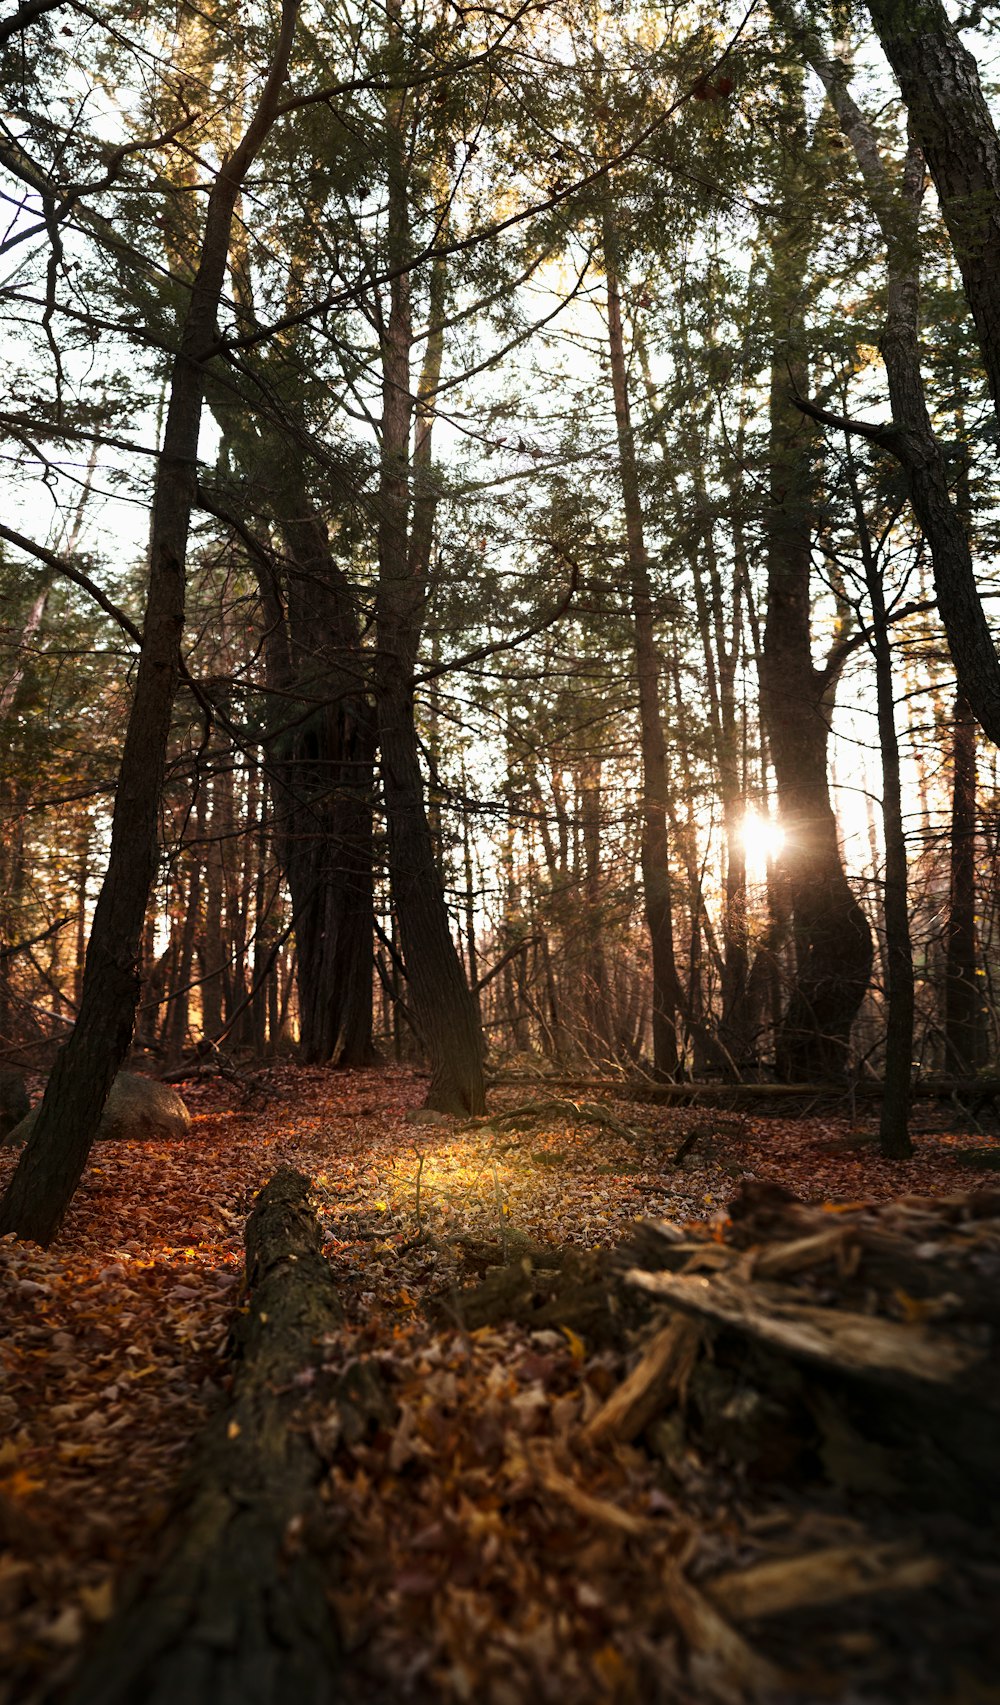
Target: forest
[[500, 857]]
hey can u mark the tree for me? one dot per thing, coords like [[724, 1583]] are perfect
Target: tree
[[56, 1153], [444, 1008], [832, 936], [952, 123], [655, 851]]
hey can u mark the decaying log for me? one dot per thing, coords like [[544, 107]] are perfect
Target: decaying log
[[862, 1345], [234, 1610], [941, 1262], [920, 1402]]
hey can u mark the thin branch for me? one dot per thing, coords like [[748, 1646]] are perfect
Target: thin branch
[[483, 651], [61, 566], [505, 959], [33, 941]]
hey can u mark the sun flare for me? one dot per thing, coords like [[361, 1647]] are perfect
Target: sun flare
[[762, 838]]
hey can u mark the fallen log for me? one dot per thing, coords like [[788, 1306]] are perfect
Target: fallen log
[[909, 1404], [234, 1610], [699, 1092]]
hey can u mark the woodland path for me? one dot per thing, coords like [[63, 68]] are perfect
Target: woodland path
[[455, 1583]]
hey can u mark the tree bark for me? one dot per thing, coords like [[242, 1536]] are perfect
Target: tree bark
[[951, 120], [443, 1006], [56, 1153], [654, 845], [963, 991], [832, 936]]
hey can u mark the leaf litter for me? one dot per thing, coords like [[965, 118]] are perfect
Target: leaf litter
[[532, 1525]]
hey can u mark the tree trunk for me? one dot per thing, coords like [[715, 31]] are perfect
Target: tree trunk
[[832, 937], [443, 1006], [951, 120], [963, 992], [56, 1152], [320, 767], [264, 929], [894, 1124], [212, 950], [721, 653], [596, 991], [654, 846], [329, 851], [175, 1029]]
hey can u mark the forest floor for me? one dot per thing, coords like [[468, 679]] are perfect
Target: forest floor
[[480, 1559]]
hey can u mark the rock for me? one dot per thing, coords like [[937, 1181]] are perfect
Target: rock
[[14, 1099], [138, 1110], [429, 1116]]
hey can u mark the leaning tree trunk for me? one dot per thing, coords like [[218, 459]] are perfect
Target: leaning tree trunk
[[912, 440], [442, 1004], [910, 436], [951, 120], [56, 1152]]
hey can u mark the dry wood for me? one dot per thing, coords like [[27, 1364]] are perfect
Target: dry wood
[[598, 1510], [722, 1662], [778, 1260], [658, 1378], [859, 1344], [820, 1577]]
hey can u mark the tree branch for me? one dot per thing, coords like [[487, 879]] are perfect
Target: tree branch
[[33, 940], [25, 16], [483, 651]]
